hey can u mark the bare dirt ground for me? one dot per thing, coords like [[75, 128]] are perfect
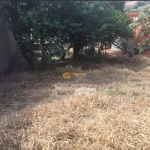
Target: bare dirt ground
[[114, 52], [146, 53], [109, 108]]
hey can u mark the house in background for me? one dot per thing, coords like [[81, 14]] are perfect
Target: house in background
[[130, 4], [134, 16]]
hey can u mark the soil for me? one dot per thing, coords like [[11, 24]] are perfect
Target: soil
[[146, 53], [118, 53]]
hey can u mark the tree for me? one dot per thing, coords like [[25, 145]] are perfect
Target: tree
[[92, 22], [144, 22], [12, 11], [56, 22], [119, 5], [140, 4]]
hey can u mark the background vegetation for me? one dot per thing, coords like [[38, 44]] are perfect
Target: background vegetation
[[46, 26], [143, 7]]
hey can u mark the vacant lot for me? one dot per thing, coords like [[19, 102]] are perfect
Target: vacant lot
[[107, 109]]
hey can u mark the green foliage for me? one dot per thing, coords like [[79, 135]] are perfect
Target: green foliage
[[140, 4], [119, 5], [144, 21], [57, 22], [111, 92], [138, 7]]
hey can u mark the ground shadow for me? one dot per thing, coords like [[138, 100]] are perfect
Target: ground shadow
[[20, 87]]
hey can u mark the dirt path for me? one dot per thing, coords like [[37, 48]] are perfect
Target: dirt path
[[146, 53], [118, 53]]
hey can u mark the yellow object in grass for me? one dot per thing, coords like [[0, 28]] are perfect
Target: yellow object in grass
[[68, 75]]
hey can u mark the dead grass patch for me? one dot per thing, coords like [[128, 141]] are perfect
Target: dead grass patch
[[96, 121], [108, 109]]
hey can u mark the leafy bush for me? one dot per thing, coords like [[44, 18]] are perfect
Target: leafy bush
[[51, 24]]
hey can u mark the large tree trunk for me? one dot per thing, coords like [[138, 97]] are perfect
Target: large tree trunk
[[63, 56], [14, 18], [76, 48], [29, 56]]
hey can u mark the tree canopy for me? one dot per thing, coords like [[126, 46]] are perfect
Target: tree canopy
[[56, 22], [144, 22]]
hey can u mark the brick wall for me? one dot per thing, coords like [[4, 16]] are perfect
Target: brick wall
[[138, 37]]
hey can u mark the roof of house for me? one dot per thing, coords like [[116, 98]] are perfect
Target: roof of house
[[133, 14]]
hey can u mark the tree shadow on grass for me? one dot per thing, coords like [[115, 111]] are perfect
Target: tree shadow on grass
[[135, 63], [23, 88]]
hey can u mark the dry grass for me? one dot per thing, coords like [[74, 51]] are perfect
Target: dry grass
[[108, 109]]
